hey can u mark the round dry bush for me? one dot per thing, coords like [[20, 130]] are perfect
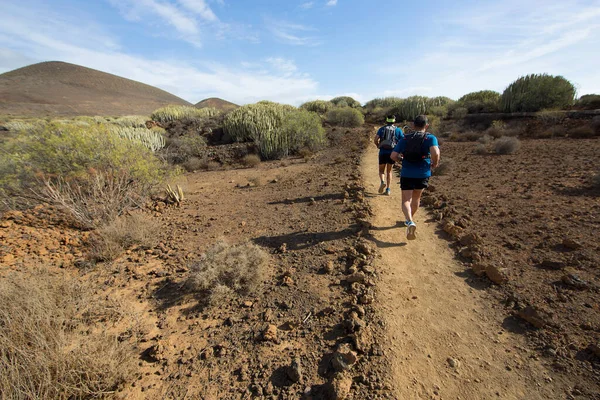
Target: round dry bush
[[481, 149], [193, 164], [240, 267], [507, 145], [345, 116], [446, 166], [485, 139], [251, 160]]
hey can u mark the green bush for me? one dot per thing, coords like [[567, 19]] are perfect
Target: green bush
[[90, 172], [484, 101], [132, 121], [175, 113], [319, 106], [460, 113], [589, 102], [534, 92], [277, 129], [385, 102], [345, 116], [345, 101]]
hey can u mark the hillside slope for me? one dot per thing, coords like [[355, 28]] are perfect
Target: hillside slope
[[58, 88], [219, 104]]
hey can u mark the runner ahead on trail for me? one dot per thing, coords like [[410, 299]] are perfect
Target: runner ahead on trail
[[420, 154], [386, 138]]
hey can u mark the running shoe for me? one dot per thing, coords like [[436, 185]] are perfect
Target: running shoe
[[388, 192], [411, 231], [381, 187]]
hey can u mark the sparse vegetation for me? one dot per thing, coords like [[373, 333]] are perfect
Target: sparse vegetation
[[44, 352], [153, 139], [446, 166], [345, 116], [535, 92], [240, 268], [507, 145], [551, 116], [481, 149], [131, 121]]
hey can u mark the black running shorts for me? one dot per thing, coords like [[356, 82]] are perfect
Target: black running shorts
[[413, 183], [385, 159]]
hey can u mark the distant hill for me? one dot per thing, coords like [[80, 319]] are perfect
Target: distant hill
[[217, 103], [59, 88]]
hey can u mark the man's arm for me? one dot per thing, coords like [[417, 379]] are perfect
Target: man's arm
[[435, 156], [395, 156], [376, 139]]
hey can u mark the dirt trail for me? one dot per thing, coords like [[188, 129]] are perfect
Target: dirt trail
[[434, 318]]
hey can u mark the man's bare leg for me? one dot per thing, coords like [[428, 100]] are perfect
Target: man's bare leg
[[406, 204], [415, 201], [388, 175], [382, 177]]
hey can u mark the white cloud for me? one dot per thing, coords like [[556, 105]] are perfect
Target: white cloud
[[331, 3], [199, 7], [307, 5], [56, 38], [488, 46], [291, 33]]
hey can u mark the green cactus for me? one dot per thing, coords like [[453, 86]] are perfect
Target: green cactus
[[536, 92], [175, 113]]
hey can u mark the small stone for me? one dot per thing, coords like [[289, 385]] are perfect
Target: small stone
[[270, 333], [533, 316], [496, 275], [247, 304], [339, 387], [329, 267], [356, 277], [294, 371], [287, 281], [344, 358], [453, 362], [572, 244]]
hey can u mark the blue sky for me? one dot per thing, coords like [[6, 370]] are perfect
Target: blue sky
[[293, 51]]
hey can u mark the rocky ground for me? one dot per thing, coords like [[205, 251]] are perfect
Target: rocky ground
[[527, 226], [307, 332]]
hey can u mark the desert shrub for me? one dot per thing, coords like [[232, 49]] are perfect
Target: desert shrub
[[54, 342], [582, 132], [193, 164], [175, 113], [318, 106], [18, 125], [305, 153], [240, 268], [481, 149], [111, 240], [439, 111], [131, 121], [210, 165], [483, 101], [506, 145], [303, 129], [535, 92], [345, 116], [251, 160], [345, 101], [485, 139], [589, 102], [153, 139], [553, 131], [446, 166], [459, 113], [410, 107], [251, 121], [91, 173]]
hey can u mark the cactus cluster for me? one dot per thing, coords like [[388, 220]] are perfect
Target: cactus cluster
[[267, 125], [153, 139], [175, 196], [133, 121], [175, 113], [345, 101], [483, 101], [537, 92]]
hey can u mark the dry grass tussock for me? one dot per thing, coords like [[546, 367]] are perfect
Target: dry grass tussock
[[251, 160], [446, 166], [122, 233], [44, 352], [507, 145], [227, 269]]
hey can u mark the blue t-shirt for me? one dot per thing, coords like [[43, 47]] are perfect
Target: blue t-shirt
[[399, 135], [421, 169]]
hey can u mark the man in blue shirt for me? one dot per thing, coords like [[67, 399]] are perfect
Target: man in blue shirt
[[386, 138], [421, 153]]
